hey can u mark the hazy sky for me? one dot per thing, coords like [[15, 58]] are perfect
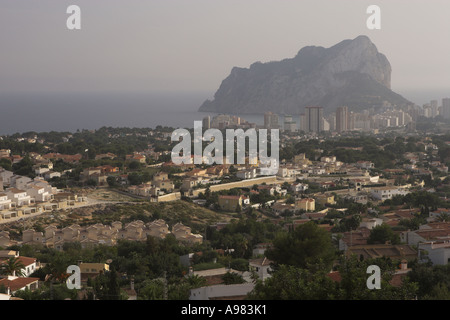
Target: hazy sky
[[191, 45]]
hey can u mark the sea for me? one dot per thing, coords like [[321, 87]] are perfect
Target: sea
[[69, 112]]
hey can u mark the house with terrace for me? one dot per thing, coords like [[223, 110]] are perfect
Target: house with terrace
[[5, 202], [18, 197]]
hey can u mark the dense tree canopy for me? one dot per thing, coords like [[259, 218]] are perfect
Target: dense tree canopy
[[308, 244]]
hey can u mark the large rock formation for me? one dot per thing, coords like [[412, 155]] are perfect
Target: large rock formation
[[351, 73]]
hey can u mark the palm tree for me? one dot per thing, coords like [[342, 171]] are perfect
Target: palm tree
[[196, 281], [13, 266], [443, 217]]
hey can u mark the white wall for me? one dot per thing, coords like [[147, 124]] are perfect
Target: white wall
[[206, 293]]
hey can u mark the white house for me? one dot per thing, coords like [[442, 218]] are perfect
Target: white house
[[261, 266], [371, 223], [287, 172], [19, 197], [5, 203], [51, 174], [38, 193], [298, 187], [41, 170], [365, 165], [438, 252], [6, 176], [329, 159], [30, 265], [318, 171], [19, 283], [42, 183], [246, 174], [385, 193], [20, 182]]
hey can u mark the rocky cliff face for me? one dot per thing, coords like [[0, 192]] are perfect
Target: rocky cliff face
[[351, 73]]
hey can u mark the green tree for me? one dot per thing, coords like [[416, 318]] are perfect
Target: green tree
[[112, 181], [307, 244], [106, 286], [134, 165], [6, 164], [24, 167], [438, 292], [196, 281], [152, 290], [432, 280], [294, 283], [232, 278], [382, 234], [354, 276], [13, 266], [91, 183]]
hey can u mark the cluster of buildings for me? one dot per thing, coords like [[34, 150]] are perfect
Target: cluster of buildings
[[433, 109], [21, 196], [313, 120], [97, 234], [158, 186], [18, 281], [98, 174], [191, 177], [431, 242], [223, 121]]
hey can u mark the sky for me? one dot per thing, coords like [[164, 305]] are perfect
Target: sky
[[192, 45]]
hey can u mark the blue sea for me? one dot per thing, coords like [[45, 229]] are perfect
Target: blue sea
[[45, 112]]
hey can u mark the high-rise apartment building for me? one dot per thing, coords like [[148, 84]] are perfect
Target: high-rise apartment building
[[446, 108], [342, 119], [289, 124], [302, 122], [206, 123], [434, 108], [314, 119], [271, 121]]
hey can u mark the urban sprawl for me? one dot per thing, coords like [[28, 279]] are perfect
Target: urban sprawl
[[367, 188]]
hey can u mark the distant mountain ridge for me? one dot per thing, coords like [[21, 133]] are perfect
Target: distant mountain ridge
[[351, 73]]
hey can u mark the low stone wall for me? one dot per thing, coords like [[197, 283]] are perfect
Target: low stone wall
[[239, 184]]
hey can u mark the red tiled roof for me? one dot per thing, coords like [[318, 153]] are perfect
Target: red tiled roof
[[392, 223], [397, 280], [335, 276], [439, 225], [26, 261], [17, 283], [430, 234]]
